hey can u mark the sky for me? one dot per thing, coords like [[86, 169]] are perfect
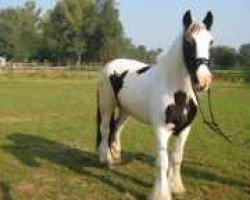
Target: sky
[[156, 23]]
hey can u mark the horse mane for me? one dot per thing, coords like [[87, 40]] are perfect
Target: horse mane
[[174, 55]]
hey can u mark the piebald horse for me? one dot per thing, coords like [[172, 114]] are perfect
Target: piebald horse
[[162, 95]]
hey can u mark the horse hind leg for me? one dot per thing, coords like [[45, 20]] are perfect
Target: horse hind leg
[[115, 134], [105, 109]]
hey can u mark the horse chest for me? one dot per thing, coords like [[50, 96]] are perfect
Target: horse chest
[[181, 113]]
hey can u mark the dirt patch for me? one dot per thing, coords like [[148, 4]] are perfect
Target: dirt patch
[[25, 189]]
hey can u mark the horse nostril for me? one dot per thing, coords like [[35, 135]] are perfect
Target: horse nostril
[[202, 88], [199, 87]]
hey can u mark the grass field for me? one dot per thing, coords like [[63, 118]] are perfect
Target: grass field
[[47, 132]]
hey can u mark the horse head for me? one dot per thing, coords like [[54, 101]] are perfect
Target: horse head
[[197, 41]]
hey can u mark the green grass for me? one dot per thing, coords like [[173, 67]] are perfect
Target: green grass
[[233, 75], [47, 132]]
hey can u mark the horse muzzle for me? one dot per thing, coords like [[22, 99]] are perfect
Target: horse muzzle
[[204, 77]]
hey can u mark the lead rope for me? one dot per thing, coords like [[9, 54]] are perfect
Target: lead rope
[[211, 124]]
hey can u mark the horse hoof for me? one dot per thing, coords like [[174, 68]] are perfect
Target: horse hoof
[[158, 195], [115, 153], [106, 164], [117, 161], [178, 190]]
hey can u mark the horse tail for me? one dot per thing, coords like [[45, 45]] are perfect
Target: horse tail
[[98, 122]]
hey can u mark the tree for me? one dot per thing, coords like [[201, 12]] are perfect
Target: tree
[[244, 55], [110, 32], [224, 57], [18, 28], [140, 52], [67, 29], [72, 32], [6, 38]]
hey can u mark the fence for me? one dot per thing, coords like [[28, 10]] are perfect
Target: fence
[[92, 70], [45, 71]]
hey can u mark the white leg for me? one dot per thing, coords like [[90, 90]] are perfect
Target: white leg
[[107, 106], [175, 179], [162, 189], [105, 155], [116, 144]]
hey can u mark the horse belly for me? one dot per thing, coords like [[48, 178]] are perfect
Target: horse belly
[[136, 102]]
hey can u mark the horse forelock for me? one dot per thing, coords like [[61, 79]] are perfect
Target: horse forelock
[[194, 28]]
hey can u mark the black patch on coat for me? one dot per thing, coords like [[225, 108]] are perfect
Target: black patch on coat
[[175, 112], [189, 56], [117, 82], [143, 70]]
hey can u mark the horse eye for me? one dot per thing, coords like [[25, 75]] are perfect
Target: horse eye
[[211, 42]]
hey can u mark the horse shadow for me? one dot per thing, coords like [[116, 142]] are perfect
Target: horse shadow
[[196, 171], [201, 173], [5, 191], [29, 149]]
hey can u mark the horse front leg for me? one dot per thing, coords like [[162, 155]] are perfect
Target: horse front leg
[[162, 189], [175, 179]]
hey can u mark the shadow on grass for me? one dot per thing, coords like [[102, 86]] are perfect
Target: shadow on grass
[[129, 156], [193, 170], [198, 173], [190, 169], [29, 149], [5, 191]]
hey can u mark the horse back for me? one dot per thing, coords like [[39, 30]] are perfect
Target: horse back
[[120, 65], [131, 84]]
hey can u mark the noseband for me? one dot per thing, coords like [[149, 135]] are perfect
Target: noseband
[[202, 61], [189, 55]]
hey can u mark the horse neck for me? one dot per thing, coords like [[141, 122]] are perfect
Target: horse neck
[[171, 69]]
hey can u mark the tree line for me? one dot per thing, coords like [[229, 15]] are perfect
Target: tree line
[[73, 32], [82, 31], [226, 57]]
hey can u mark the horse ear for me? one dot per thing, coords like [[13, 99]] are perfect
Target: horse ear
[[187, 19], [208, 20]]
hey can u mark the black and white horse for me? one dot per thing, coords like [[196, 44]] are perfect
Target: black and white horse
[[162, 95]]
